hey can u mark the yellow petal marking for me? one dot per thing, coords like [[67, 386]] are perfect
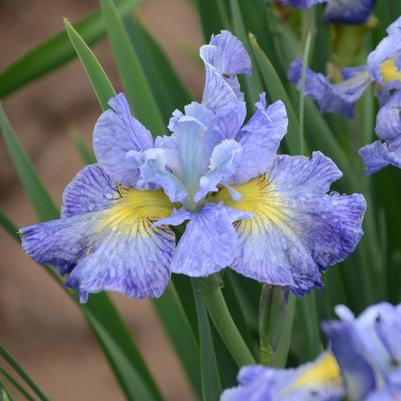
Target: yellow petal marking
[[325, 371], [261, 198], [135, 210], [390, 71]]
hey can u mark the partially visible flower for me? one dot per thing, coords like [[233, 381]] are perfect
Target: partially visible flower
[[348, 11], [316, 381], [301, 3], [382, 69], [363, 364], [105, 239], [368, 351]]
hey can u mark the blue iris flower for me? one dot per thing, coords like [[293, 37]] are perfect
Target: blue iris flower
[[348, 11], [383, 70], [267, 216], [301, 3], [363, 364]]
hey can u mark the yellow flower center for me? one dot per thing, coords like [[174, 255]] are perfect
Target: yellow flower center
[[390, 71]]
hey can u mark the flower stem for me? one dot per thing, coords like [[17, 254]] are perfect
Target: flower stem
[[223, 321]]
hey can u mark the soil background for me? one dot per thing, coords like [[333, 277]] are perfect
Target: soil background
[[39, 325]]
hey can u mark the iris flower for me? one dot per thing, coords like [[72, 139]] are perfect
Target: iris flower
[[382, 70], [348, 11], [301, 3], [364, 364], [267, 216]]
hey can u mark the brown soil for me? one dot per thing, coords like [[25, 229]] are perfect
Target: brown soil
[[38, 324]]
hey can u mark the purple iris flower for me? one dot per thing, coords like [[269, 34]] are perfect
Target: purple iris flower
[[363, 364], [383, 70], [301, 3], [348, 11], [267, 216]]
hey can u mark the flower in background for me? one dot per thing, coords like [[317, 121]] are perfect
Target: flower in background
[[363, 364], [382, 69], [348, 11], [267, 216], [301, 3]]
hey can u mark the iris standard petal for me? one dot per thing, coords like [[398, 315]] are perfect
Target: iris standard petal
[[348, 11], [114, 247], [208, 243], [339, 97], [260, 139], [296, 230], [301, 3], [384, 61], [225, 57], [378, 155], [224, 163], [316, 381], [116, 134]]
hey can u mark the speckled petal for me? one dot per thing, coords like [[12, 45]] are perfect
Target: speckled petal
[[338, 98], [116, 134], [260, 139], [208, 243]]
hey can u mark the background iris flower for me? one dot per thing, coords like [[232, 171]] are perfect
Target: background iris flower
[[213, 170], [382, 69], [363, 364]]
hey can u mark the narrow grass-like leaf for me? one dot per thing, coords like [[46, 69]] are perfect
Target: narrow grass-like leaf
[[213, 17], [55, 51], [276, 91], [22, 374], [181, 336], [41, 200], [4, 394], [86, 154], [133, 78], [99, 80], [8, 225], [16, 385], [167, 87], [211, 386]]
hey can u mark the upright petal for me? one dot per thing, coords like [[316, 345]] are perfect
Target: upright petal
[[260, 139], [225, 57], [348, 11], [338, 98], [384, 61], [116, 134], [296, 230], [223, 165], [106, 242], [208, 243], [317, 381]]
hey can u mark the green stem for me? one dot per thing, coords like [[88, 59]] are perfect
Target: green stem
[[223, 322]]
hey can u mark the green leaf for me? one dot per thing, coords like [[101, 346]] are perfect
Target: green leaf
[[39, 197], [276, 91], [4, 394], [8, 225], [22, 374], [16, 385], [99, 80], [55, 51], [211, 386], [133, 78], [213, 17], [86, 154], [167, 87], [181, 336]]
